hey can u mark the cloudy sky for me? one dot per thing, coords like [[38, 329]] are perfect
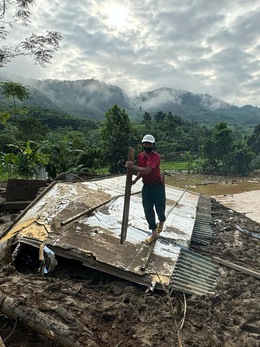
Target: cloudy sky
[[202, 46]]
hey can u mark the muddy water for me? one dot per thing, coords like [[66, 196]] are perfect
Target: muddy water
[[241, 194], [215, 185]]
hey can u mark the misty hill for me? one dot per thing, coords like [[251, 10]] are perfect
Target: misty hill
[[91, 98], [167, 98], [197, 107], [87, 98]]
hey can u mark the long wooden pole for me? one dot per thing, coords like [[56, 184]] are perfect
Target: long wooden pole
[[129, 174]]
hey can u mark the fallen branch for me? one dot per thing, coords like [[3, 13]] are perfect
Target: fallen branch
[[37, 321]]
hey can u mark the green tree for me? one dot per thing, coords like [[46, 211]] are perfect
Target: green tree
[[90, 160], [7, 166], [171, 124], [240, 159], [217, 147], [116, 136], [9, 134], [40, 47], [225, 155], [159, 116], [30, 128], [23, 161], [14, 91], [254, 140], [147, 121], [61, 152], [256, 162], [4, 116]]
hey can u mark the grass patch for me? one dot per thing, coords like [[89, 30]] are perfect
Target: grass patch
[[174, 165]]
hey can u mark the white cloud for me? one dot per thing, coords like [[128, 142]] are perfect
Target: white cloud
[[201, 46]]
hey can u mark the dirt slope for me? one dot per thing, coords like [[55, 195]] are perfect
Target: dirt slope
[[104, 311]]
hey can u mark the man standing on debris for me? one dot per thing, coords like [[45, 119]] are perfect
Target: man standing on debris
[[153, 191]]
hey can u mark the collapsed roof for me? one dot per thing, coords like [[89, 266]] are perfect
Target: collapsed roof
[[82, 221]]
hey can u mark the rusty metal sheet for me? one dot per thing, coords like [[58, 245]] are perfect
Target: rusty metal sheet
[[83, 221]]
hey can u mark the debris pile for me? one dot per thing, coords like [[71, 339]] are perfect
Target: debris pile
[[79, 306]]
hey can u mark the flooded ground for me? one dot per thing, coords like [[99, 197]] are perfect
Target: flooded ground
[[241, 194], [215, 185]]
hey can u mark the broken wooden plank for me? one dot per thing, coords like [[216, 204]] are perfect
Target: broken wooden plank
[[237, 267]]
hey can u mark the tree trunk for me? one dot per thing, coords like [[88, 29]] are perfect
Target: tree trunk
[[39, 322]]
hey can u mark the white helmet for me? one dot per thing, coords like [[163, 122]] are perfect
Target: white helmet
[[148, 138]]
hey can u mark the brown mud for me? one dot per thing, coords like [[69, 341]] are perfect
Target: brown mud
[[117, 313]]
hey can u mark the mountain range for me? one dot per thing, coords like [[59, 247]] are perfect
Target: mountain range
[[91, 98]]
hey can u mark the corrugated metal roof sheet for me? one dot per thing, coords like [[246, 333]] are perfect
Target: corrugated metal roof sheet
[[82, 221], [194, 274], [203, 230]]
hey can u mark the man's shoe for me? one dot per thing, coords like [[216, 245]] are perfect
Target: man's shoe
[[159, 228], [150, 240]]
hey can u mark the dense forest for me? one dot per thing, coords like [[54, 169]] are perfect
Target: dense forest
[[33, 137]]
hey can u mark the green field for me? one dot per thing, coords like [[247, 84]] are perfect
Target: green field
[[165, 165], [174, 165]]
